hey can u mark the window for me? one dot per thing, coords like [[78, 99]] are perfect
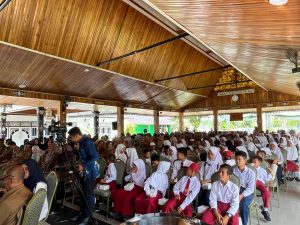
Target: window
[[34, 131]]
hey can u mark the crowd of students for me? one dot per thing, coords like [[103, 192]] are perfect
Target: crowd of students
[[257, 159]]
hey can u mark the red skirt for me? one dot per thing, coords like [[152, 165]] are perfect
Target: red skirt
[[291, 166], [209, 218], [124, 200], [113, 186], [145, 204]]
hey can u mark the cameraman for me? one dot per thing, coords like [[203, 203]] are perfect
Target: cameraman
[[89, 168]]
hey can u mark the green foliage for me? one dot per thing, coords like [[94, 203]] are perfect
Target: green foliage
[[195, 121], [130, 128]]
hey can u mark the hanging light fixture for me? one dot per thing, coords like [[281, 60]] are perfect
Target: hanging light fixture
[[278, 2]]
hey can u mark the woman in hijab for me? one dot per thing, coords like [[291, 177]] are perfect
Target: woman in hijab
[[131, 157], [121, 153], [34, 180], [212, 165], [124, 199], [283, 142], [250, 145], [206, 145], [155, 188]]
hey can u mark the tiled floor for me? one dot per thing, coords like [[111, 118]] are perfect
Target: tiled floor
[[289, 211]]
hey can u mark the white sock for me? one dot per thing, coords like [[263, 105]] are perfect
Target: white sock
[[266, 209]]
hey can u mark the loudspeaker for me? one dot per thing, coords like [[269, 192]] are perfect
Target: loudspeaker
[[114, 125]]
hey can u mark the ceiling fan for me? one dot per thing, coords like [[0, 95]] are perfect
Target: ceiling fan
[[292, 55]]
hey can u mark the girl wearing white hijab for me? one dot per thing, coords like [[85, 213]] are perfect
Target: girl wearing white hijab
[[124, 200], [250, 145], [283, 142], [206, 145], [292, 160], [121, 153], [132, 156], [212, 165], [155, 188], [172, 154], [276, 150]]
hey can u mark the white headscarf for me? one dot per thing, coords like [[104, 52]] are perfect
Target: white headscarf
[[292, 153], [284, 144], [173, 157], [206, 148], [132, 156], [278, 152], [217, 159], [159, 180], [119, 154], [140, 176]]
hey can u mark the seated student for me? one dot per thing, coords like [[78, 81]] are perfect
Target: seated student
[[157, 184], [172, 154], [147, 156], [165, 152], [181, 162], [110, 174], [228, 157], [223, 200], [185, 191], [280, 160], [124, 200], [292, 160], [248, 179], [262, 178], [154, 162], [34, 180], [16, 197], [212, 165], [121, 153], [262, 154]]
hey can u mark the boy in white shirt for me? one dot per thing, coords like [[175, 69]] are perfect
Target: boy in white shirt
[[181, 161], [223, 200], [248, 179], [185, 191]]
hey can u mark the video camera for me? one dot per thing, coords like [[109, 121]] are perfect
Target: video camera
[[59, 129]]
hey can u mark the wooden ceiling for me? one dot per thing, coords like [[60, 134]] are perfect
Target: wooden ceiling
[[93, 31], [42, 73], [252, 35]]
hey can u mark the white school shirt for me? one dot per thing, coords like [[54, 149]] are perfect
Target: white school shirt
[[292, 153], [248, 180], [193, 190], [207, 170], [262, 175], [157, 181], [279, 155], [228, 193], [111, 173], [177, 166]]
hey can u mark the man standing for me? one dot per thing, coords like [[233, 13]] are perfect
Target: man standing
[[17, 196], [90, 171]]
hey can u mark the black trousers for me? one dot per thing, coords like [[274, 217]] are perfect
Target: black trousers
[[87, 204]]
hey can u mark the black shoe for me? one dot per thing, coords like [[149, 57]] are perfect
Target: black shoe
[[86, 221], [77, 218], [266, 215], [297, 179]]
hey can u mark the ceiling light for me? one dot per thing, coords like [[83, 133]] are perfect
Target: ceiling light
[[278, 2], [22, 86]]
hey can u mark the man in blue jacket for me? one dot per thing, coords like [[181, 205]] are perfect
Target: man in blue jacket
[[89, 169]]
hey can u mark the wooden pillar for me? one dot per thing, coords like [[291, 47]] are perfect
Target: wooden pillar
[[96, 124], [216, 123], [61, 111], [156, 121], [40, 118], [120, 120], [259, 118], [180, 123]]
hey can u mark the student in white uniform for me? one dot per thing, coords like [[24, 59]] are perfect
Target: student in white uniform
[[248, 179], [110, 174], [185, 191], [181, 162], [212, 165], [223, 200]]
